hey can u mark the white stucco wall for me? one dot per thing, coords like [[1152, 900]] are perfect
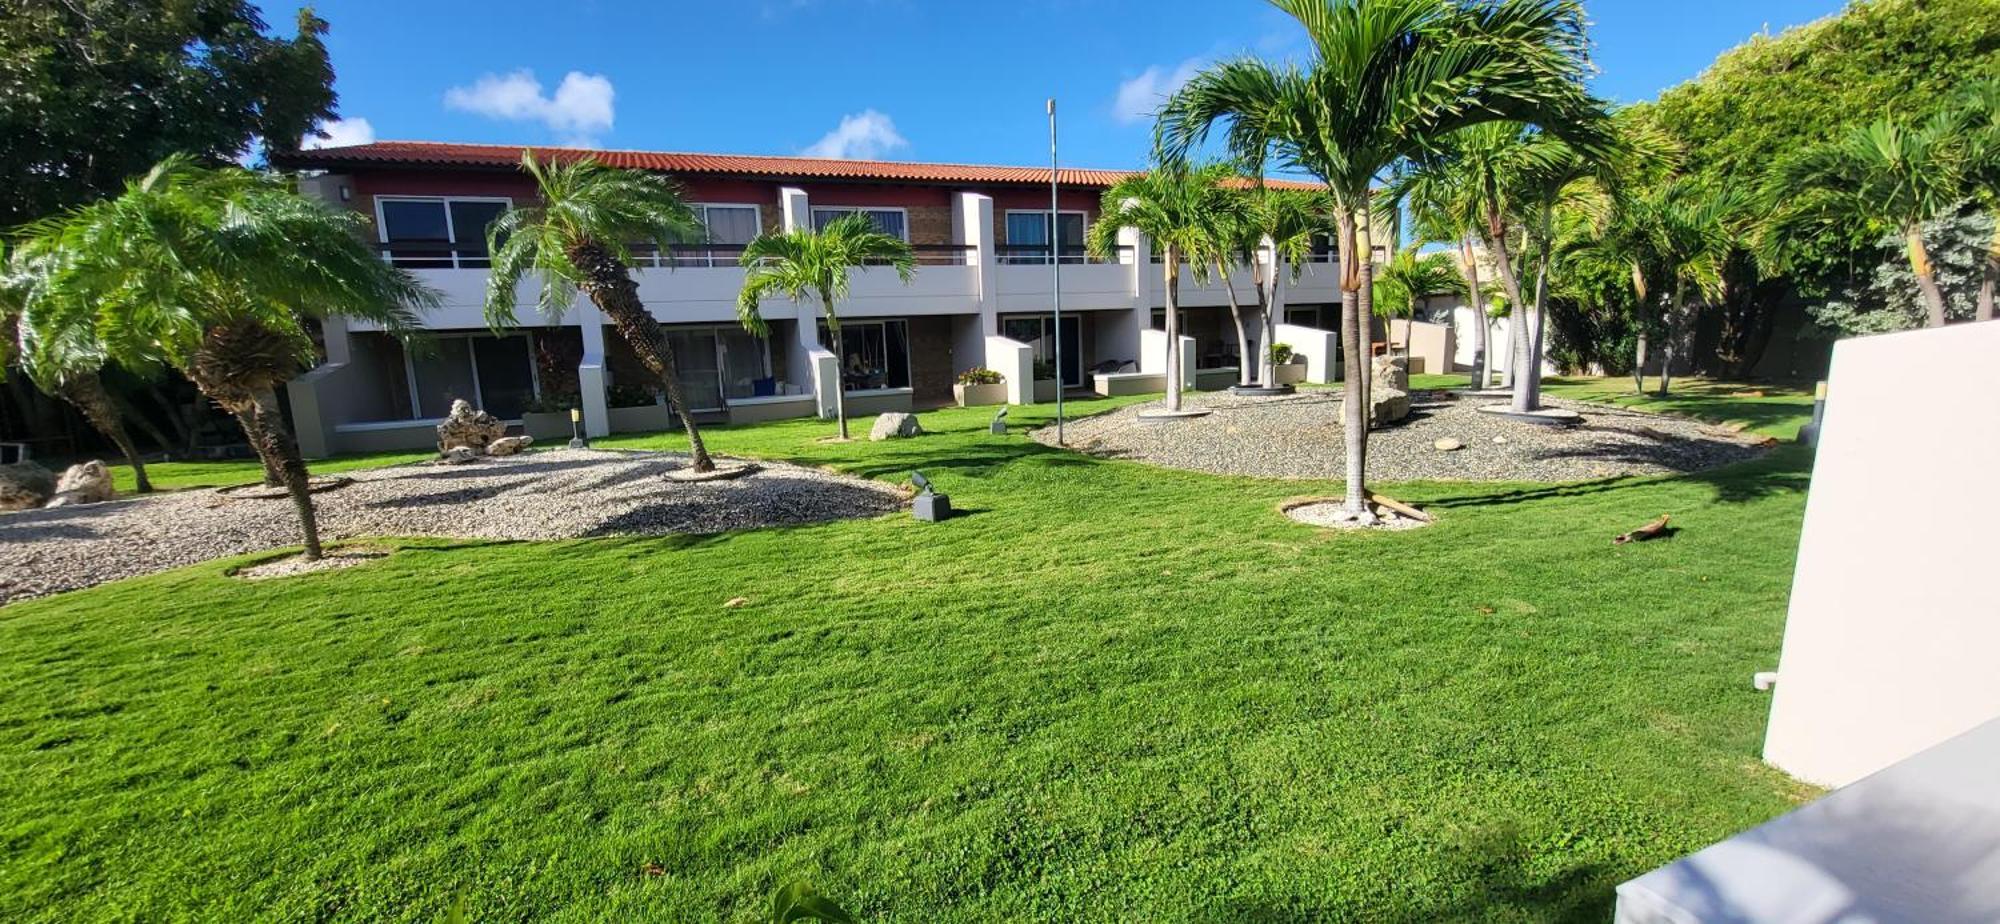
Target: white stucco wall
[[1892, 642]]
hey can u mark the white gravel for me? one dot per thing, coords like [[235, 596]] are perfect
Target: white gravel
[[553, 494], [1299, 436]]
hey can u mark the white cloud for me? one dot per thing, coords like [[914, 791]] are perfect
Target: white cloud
[[1140, 97], [866, 135], [580, 107], [340, 133]]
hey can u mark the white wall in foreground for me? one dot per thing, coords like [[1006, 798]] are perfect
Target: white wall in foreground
[[1892, 643]]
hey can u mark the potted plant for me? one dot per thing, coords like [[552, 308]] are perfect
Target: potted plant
[[1045, 381], [637, 409], [980, 386], [1289, 368], [547, 417]]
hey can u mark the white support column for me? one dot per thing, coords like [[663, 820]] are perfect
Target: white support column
[[590, 382], [819, 368], [1118, 333], [972, 227]]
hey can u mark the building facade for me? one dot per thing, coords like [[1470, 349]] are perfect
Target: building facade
[[982, 297]]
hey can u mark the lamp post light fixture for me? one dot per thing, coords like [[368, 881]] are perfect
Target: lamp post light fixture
[[576, 439]]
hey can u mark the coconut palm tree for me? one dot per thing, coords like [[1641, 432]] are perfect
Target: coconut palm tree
[[580, 238], [805, 264], [1407, 279], [1232, 243], [1173, 205], [1444, 207], [216, 274], [1888, 175], [1386, 80]]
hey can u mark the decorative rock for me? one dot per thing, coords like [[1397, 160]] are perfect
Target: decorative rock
[[468, 428], [83, 483], [1393, 371], [1448, 445], [25, 485], [895, 425], [508, 445], [1499, 439], [1389, 404], [459, 455]]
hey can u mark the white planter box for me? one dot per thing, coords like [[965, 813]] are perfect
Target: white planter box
[[1045, 390], [980, 395], [1290, 373]]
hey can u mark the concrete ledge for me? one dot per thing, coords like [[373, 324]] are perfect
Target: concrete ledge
[[1216, 379], [646, 418], [385, 436], [1115, 384], [1547, 416], [872, 401], [771, 407], [1162, 415]]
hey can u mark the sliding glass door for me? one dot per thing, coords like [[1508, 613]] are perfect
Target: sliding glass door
[[1037, 331]]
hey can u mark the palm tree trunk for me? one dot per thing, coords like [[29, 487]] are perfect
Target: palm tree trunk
[[840, 375], [1173, 329], [1991, 277], [1528, 388], [86, 391], [1243, 358], [1482, 331], [1667, 348], [265, 426], [274, 476], [1920, 263], [1639, 328], [1354, 406], [610, 287], [1274, 315]]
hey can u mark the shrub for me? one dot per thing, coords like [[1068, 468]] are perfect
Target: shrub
[[559, 403], [1044, 370], [1281, 353], [980, 375], [631, 395]]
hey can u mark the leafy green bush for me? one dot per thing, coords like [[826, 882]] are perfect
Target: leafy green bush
[[631, 395], [980, 375], [1044, 370], [1281, 353]]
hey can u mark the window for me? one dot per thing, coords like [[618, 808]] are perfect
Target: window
[[1028, 231], [893, 222], [436, 233], [729, 227], [495, 374], [715, 364], [877, 353]]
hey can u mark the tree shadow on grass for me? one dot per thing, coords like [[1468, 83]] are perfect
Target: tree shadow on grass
[[1503, 889], [1778, 473]]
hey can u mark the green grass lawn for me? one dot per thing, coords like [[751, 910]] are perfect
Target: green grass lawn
[[1109, 692]]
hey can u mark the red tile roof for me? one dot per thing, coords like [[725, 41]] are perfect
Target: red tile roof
[[432, 154]]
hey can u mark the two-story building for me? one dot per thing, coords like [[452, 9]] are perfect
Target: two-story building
[[982, 296]]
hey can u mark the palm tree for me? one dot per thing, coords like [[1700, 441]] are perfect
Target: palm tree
[[1980, 112], [1387, 80], [1286, 221], [214, 273], [1173, 204], [805, 264], [1689, 232], [1230, 244], [68, 367], [1886, 175], [1407, 279], [1444, 207], [580, 237], [1622, 244]]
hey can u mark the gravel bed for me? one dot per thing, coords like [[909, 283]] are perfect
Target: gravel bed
[[1299, 436], [552, 494]]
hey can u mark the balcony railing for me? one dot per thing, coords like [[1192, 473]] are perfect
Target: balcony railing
[[438, 254], [1039, 255]]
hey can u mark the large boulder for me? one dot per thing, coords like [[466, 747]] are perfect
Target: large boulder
[[25, 485], [894, 425], [83, 483], [1393, 371], [474, 430], [1389, 404]]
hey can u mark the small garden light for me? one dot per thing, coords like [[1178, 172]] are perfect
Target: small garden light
[[576, 440], [928, 506]]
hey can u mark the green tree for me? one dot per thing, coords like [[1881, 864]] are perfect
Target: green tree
[[1980, 118], [803, 264], [65, 364], [1386, 80], [1407, 279], [1688, 232], [1285, 221], [1173, 205], [1888, 175], [95, 91], [580, 238], [215, 274]]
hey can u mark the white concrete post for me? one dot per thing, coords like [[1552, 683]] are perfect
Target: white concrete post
[[1015, 361], [972, 226]]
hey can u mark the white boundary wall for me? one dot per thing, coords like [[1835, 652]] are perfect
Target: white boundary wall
[[1892, 642]]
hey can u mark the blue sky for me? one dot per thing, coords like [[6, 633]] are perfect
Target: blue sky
[[894, 79]]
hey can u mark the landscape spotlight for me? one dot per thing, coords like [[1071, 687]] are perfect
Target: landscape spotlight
[[576, 440], [928, 506]]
